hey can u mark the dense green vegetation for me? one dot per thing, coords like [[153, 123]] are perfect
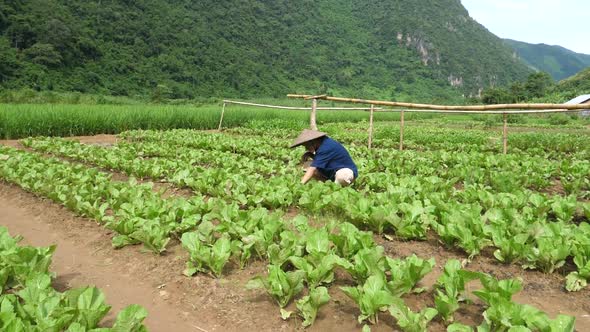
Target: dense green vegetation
[[183, 49], [539, 87], [559, 62], [577, 84]]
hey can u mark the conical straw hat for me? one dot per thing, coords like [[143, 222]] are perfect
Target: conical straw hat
[[306, 136]]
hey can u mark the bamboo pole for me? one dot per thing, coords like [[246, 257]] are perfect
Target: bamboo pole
[[371, 127], [221, 119], [299, 108], [505, 134], [479, 112], [446, 107], [312, 118], [401, 132]]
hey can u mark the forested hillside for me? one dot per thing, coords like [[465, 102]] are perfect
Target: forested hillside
[[559, 62], [576, 85], [424, 50]]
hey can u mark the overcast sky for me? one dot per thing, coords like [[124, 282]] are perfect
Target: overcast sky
[[565, 23]]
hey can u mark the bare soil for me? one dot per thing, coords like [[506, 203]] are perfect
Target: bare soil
[[97, 139], [202, 303]]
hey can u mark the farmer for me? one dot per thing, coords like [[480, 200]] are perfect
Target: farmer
[[330, 160]]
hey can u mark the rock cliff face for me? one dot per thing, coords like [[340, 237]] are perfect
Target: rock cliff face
[[419, 50]]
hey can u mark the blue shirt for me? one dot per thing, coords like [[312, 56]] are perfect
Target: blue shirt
[[332, 156]]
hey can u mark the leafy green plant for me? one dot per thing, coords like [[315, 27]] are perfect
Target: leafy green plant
[[577, 280], [548, 253], [405, 274], [349, 240], [19, 263], [450, 289], [367, 262], [319, 271], [290, 246], [130, 319], [153, 236], [280, 285], [371, 297], [564, 208], [415, 220], [465, 227], [458, 327], [510, 248], [33, 305], [205, 258], [502, 314], [309, 305], [410, 321], [493, 288], [505, 315]]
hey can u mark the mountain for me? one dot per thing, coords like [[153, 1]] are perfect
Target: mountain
[[559, 62], [424, 50]]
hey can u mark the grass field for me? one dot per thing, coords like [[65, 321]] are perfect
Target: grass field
[[25, 120]]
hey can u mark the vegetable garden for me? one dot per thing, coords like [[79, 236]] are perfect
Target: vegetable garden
[[329, 247]]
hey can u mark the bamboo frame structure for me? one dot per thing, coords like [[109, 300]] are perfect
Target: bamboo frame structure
[[371, 126], [473, 109], [299, 108], [449, 107], [481, 112], [505, 134], [312, 119], [313, 109], [401, 131], [221, 118]]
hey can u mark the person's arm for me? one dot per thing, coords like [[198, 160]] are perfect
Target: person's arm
[[308, 174]]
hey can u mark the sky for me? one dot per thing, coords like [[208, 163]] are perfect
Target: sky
[[554, 22]]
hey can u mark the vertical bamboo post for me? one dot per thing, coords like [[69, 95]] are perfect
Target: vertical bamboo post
[[505, 133], [401, 132], [221, 119], [371, 126], [312, 119]]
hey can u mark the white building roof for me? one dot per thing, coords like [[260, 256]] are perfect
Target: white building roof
[[579, 100]]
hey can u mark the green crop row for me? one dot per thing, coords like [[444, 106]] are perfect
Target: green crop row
[[28, 301], [402, 193]]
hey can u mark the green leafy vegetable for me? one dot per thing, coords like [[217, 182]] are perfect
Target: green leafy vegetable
[[282, 286], [410, 321], [371, 297], [309, 305]]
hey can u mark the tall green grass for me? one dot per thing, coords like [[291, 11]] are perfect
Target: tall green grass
[[25, 120]]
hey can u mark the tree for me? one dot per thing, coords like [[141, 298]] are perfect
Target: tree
[[9, 63], [496, 96], [44, 54], [537, 84], [519, 92]]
